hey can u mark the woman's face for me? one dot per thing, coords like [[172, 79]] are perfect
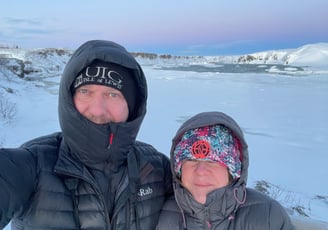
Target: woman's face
[[202, 177]]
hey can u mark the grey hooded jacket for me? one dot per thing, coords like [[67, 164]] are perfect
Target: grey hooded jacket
[[78, 178], [233, 207]]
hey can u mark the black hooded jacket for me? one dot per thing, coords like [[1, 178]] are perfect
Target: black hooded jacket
[[88, 176]]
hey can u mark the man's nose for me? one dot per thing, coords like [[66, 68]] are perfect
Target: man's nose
[[98, 106]]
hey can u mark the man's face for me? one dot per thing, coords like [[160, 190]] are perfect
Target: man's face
[[101, 104], [202, 177]]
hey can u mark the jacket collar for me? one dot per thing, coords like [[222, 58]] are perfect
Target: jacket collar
[[220, 204]]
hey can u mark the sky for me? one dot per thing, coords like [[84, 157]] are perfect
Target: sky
[[283, 117], [182, 27]]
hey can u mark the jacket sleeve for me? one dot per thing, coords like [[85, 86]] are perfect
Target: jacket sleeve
[[17, 175], [279, 219]]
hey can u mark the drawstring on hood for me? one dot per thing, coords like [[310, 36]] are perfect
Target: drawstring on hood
[[235, 191], [239, 201]]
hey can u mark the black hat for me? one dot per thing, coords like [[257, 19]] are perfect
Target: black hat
[[111, 75]]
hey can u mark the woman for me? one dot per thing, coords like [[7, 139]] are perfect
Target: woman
[[209, 162]]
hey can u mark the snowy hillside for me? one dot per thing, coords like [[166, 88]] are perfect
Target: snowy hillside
[[314, 55], [34, 62], [307, 60]]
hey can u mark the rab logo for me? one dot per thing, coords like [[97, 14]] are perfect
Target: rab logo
[[145, 191], [200, 149]]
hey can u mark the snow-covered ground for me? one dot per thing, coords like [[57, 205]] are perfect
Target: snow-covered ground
[[283, 113]]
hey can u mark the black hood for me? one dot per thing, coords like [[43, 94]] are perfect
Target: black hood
[[87, 141]]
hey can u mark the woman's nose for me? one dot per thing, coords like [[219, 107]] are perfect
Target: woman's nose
[[201, 167]]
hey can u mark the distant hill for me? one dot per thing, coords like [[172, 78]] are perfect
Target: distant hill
[[39, 63]]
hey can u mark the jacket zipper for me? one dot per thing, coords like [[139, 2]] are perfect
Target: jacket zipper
[[95, 188], [207, 223]]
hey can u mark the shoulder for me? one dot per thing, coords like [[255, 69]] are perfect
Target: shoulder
[[35, 146], [45, 147], [47, 140], [257, 199], [264, 210], [154, 168], [170, 205], [170, 217], [149, 152]]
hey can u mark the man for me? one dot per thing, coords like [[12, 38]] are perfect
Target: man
[[209, 160], [93, 174]]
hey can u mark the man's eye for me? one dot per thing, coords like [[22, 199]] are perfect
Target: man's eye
[[83, 91], [113, 94]]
